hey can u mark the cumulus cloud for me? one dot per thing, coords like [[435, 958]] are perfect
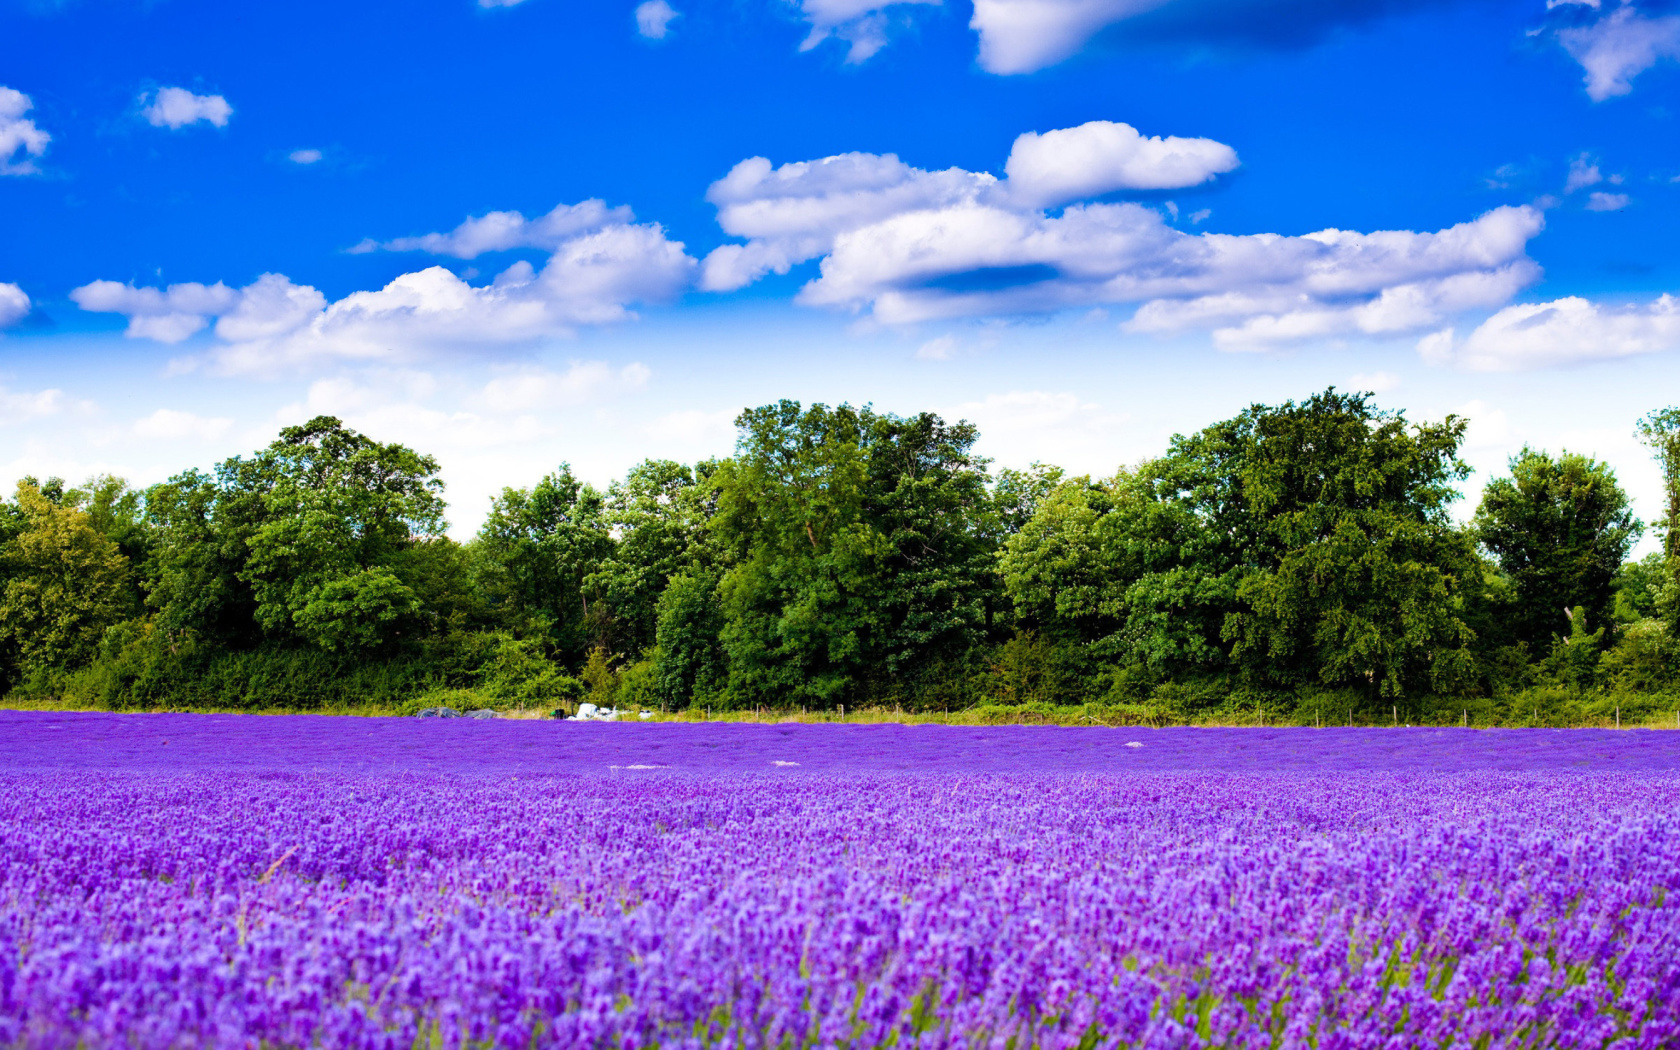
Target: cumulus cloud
[[503, 230], [654, 18], [590, 279], [794, 213], [18, 407], [1583, 172], [1020, 36], [167, 315], [14, 305], [1564, 331], [1616, 47], [168, 424], [862, 25], [1101, 157], [906, 245], [18, 134], [305, 156], [176, 107], [1599, 201]]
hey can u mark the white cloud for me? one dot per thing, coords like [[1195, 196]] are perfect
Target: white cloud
[[504, 230], [176, 107], [305, 156], [171, 425], [794, 213], [1101, 157], [861, 24], [1583, 172], [168, 315], [1564, 331], [654, 18], [19, 134], [1620, 46], [14, 305], [1020, 36], [906, 245], [978, 260], [273, 323], [18, 408], [531, 389], [1606, 201]]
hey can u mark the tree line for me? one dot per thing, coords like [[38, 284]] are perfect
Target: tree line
[[1299, 561]]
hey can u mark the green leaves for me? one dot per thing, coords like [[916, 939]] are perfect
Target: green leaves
[[1560, 529], [355, 612], [65, 583], [1301, 544], [859, 547]]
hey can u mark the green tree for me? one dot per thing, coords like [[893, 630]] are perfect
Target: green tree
[[538, 549], [1639, 585], [310, 541], [193, 575], [659, 513], [689, 662], [1296, 545], [859, 549], [1560, 529], [66, 583], [333, 510]]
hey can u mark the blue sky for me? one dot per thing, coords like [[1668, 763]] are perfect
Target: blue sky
[[524, 233]]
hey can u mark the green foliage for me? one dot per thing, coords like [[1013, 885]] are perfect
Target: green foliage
[[1300, 544], [688, 660], [65, 584], [1561, 529], [518, 675], [537, 549], [1295, 564], [859, 545], [1639, 585], [660, 512]]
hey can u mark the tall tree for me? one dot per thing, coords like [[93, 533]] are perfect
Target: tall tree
[[659, 513], [537, 550], [1660, 431], [1294, 544], [1560, 529], [65, 583], [311, 538], [860, 549]]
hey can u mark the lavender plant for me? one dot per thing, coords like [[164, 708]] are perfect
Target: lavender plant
[[360, 883]]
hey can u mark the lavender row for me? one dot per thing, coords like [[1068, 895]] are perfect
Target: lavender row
[[169, 742], [645, 908]]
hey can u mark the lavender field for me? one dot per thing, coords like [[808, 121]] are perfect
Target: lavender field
[[191, 881]]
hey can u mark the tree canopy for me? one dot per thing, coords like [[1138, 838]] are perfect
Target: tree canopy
[[844, 555]]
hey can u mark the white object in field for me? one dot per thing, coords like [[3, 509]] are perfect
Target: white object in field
[[645, 715], [591, 713], [1133, 743]]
